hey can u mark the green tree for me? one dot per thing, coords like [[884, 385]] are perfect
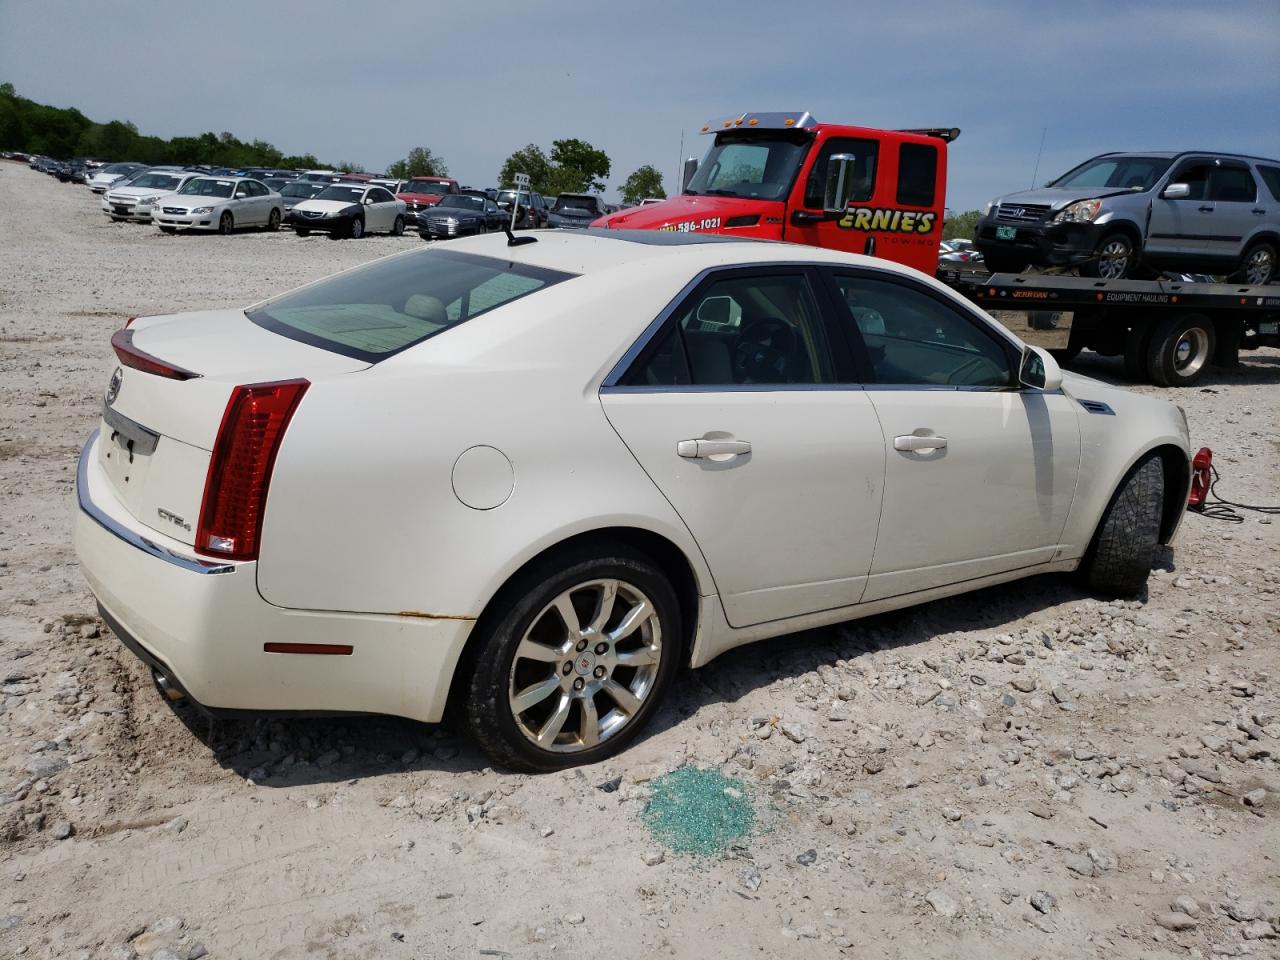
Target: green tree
[[960, 226], [531, 160], [645, 182], [578, 166], [420, 162], [346, 166]]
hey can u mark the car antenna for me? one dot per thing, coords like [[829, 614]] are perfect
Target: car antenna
[[522, 184]]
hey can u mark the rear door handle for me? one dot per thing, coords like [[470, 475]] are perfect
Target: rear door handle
[[1258, 210], [912, 442], [712, 449], [1205, 209]]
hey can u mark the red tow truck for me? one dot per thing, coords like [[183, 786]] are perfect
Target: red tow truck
[[785, 176]]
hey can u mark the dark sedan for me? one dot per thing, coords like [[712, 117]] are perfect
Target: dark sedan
[[460, 214]]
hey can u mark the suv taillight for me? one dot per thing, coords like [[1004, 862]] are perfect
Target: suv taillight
[[235, 490]]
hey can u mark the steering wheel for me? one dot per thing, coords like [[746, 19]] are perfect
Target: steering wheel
[[764, 351], [975, 364]]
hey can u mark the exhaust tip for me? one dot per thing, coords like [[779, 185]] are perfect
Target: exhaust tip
[[170, 690]]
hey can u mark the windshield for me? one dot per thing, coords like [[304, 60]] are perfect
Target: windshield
[[201, 187], [162, 180], [1116, 173], [571, 204], [425, 186], [118, 168], [390, 305], [757, 167], [348, 194], [301, 188], [462, 201]]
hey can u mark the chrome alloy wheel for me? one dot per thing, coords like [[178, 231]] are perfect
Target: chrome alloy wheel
[[1260, 266], [585, 666], [1113, 259], [1191, 352]]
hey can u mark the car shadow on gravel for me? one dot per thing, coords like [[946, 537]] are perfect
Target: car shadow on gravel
[[308, 750], [1254, 369]]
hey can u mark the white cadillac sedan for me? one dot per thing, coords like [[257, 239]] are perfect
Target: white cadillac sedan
[[224, 204], [533, 481]]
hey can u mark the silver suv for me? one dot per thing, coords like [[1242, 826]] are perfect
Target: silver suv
[[1136, 214]]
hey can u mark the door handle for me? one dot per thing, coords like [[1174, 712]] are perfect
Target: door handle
[[912, 442], [712, 449], [1258, 210], [1205, 209]]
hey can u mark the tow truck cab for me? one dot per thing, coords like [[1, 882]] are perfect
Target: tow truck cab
[[785, 176]]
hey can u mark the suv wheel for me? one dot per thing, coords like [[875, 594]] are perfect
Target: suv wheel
[[1113, 259], [1258, 266]]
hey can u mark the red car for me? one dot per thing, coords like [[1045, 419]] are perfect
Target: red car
[[423, 192]]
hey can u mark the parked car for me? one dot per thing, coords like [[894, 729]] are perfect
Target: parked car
[[461, 214], [135, 200], [349, 210], [532, 211], [422, 193], [321, 176], [1135, 214], [224, 204], [701, 477], [291, 194], [575, 210], [277, 184], [108, 175], [959, 251]]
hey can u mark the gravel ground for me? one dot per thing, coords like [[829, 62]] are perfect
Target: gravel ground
[[1025, 771]]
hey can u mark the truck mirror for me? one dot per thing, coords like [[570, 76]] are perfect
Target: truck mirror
[[690, 168], [839, 182], [1176, 191]]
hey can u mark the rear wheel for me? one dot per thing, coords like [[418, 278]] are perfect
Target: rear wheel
[[1179, 349], [574, 660], [1114, 258], [1119, 559], [226, 224], [397, 228], [1258, 266]]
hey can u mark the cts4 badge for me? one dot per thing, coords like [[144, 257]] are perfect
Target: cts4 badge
[[113, 386]]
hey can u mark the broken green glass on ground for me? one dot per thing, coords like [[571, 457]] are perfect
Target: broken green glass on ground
[[698, 811]]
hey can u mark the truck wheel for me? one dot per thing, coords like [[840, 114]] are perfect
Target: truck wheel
[[1119, 559], [1179, 350], [1258, 266], [1136, 345], [1113, 258], [1004, 262]]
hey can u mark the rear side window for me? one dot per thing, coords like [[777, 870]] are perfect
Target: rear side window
[[1232, 183], [376, 311], [917, 174], [1271, 177]]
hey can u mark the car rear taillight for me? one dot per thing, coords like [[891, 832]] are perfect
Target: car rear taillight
[[235, 490], [131, 356]]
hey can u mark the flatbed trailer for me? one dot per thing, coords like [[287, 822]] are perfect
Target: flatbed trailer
[[1167, 331]]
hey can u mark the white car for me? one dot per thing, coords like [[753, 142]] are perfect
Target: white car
[[535, 480], [112, 173], [134, 202], [224, 204], [349, 210]]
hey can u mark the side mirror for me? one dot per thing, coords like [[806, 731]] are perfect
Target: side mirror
[[1038, 370], [1176, 191], [839, 182], [690, 168]]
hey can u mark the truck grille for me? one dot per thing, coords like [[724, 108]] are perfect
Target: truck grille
[[1022, 212]]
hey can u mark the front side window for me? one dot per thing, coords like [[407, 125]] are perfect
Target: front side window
[[758, 167], [912, 338], [1232, 183], [740, 331], [917, 174], [389, 305], [863, 171]]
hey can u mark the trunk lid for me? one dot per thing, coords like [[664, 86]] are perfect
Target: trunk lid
[[157, 433]]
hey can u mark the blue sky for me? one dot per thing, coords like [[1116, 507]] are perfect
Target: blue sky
[[475, 80]]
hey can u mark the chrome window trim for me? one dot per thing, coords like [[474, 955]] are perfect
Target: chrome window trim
[[729, 387], [190, 564]]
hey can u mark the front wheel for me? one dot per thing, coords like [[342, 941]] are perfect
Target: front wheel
[[356, 230], [226, 224], [397, 228], [1114, 258], [1119, 559], [1258, 266], [168, 229], [574, 661]]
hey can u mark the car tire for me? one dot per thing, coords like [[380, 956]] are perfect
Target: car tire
[[356, 230], [424, 235], [397, 228], [168, 229], [1179, 349], [622, 698], [226, 224], [1258, 265], [1119, 558], [1004, 262], [273, 220], [1114, 258], [302, 233]]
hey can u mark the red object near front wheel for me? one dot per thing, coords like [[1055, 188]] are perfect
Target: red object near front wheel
[[1201, 477]]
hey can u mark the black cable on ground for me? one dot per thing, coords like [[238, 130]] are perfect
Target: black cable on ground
[[1223, 509]]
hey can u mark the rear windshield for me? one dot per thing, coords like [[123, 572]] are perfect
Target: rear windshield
[[568, 203], [378, 310]]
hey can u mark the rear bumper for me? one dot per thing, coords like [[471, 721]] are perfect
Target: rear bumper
[[204, 624]]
